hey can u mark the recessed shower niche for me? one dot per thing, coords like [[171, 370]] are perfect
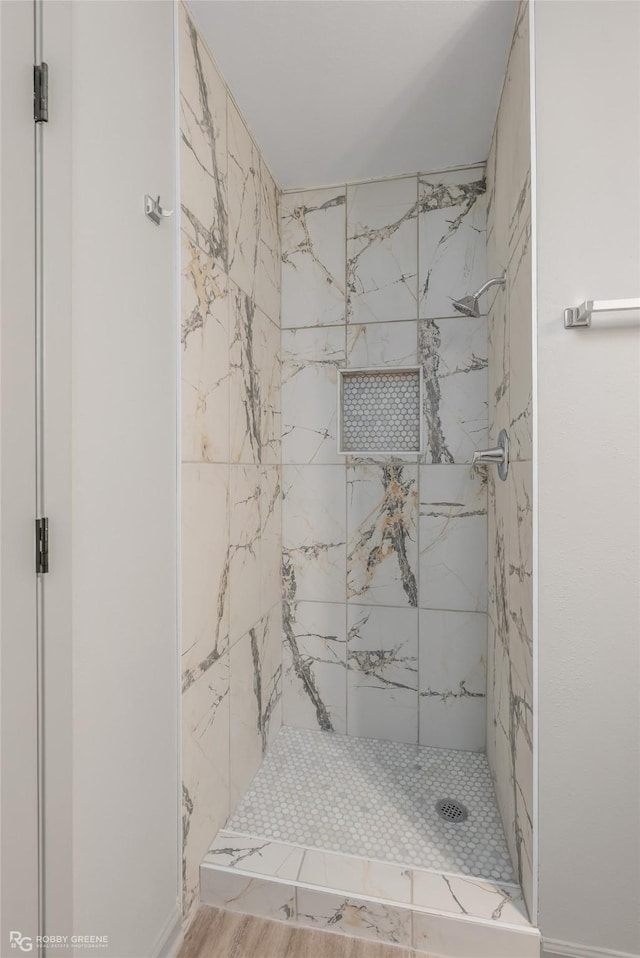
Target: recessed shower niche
[[379, 411]]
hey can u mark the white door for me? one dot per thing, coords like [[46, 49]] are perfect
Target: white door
[[18, 581]]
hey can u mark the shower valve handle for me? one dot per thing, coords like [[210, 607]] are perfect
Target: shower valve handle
[[498, 456]]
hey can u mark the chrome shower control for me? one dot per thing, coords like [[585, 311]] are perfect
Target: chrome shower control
[[498, 456]]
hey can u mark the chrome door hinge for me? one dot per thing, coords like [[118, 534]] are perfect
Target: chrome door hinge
[[42, 545], [41, 93]]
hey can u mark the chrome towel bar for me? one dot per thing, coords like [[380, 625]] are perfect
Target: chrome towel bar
[[576, 316]]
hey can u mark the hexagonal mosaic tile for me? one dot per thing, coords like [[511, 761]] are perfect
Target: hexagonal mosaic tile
[[377, 800], [381, 411]]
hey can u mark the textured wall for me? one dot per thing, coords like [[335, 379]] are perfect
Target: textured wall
[[509, 676], [385, 561], [231, 540]]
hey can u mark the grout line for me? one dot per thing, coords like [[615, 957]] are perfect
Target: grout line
[[374, 322], [481, 164]]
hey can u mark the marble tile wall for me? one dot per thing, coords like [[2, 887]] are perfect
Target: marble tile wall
[[510, 657], [231, 480], [385, 559]]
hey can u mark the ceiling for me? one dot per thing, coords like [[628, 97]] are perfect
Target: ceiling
[[343, 90]]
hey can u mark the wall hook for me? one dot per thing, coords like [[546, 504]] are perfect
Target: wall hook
[[153, 210]]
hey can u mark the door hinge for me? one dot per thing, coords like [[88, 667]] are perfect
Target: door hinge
[[42, 545], [41, 93]]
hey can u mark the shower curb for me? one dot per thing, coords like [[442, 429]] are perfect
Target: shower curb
[[365, 899]]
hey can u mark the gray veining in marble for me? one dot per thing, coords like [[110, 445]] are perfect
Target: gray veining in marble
[[231, 488], [382, 520], [510, 645]]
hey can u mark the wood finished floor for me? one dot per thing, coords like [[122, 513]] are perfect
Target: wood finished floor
[[222, 934]]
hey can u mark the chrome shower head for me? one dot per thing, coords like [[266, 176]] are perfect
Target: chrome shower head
[[468, 305]]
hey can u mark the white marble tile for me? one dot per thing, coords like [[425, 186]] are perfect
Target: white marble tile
[[267, 284], [499, 751], [255, 703], [205, 768], [452, 226], [453, 723], [270, 652], [269, 364], [314, 532], [508, 176], [245, 378], [382, 504], [243, 179], [204, 365], [311, 358], [463, 938], [382, 344], [453, 539], [255, 856], [350, 916], [509, 725], [245, 562], [509, 665], [382, 655], [313, 257], [246, 739], [314, 660], [453, 651], [453, 354], [469, 896], [271, 536], [382, 238], [356, 875], [499, 365], [493, 663], [520, 369], [203, 148], [514, 162], [204, 242], [249, 896], [490, 176], [498, 542], [520, 551], [509, 749], [524, 804], [205, 545]]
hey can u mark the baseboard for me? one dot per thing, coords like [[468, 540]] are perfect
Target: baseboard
[[170, 938], [568, 949]]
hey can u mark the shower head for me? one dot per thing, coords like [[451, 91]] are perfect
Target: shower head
[[468, 305]]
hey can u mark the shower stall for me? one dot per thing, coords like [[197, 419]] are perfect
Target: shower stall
[[357, 608]]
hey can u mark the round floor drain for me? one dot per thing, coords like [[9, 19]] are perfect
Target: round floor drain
[[451, 810]]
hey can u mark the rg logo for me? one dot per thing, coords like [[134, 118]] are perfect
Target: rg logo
[[20, 941]]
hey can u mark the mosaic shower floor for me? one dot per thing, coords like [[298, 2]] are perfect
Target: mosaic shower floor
[[376, 799]]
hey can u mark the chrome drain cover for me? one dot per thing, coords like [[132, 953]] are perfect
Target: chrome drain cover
[[451, 810]]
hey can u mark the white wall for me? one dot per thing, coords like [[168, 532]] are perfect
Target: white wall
[[587, 78], [124, 349], [18, 695]]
